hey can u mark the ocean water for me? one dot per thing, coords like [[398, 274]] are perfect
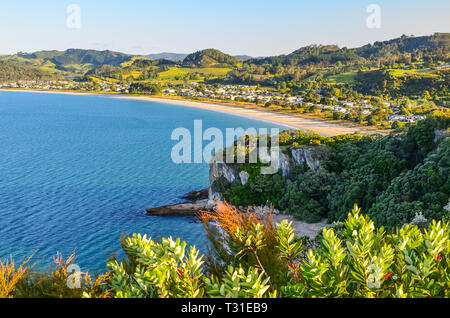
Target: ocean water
[[77, 172]]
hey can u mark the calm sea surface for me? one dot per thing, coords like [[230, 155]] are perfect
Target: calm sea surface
[[76, 172]]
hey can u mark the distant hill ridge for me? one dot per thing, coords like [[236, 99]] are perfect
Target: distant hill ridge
[[437, 43], [81, 61], [79, 56], [179, 57], [176, 57]]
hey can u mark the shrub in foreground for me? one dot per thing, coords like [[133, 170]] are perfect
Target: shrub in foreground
[[363, 261], [10, 275], [355, 259], [358, 261], [58, 282], [247, 239]]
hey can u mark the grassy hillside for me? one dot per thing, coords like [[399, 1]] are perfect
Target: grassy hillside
[[95, 58], [343, 78], [176, 73]]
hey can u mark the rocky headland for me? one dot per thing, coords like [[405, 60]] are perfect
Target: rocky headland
[[206, 199]]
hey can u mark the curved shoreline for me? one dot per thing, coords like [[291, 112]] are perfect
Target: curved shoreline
[[288, 121]]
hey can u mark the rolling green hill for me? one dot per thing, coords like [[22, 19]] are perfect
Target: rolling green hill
[[72, 61], [96, 58], [210, 58], [14, 71]]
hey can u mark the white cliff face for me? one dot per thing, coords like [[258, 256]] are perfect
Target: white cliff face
[[216, 171], [298, 156], [244, 176], [304, 155], [284, 164], [440, 134], [219, 169]]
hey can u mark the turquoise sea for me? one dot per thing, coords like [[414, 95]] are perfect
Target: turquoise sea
[[77, 172]]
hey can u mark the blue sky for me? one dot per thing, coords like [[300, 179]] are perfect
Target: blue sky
[[253, 27]]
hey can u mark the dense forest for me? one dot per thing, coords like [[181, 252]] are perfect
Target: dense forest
[[379, 52], [380, 82]]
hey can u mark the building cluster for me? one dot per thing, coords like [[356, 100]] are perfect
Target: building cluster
[[240, 93], [68, 85], [254, 94]]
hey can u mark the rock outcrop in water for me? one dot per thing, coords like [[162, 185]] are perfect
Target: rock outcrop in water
[[182, 209], [198, 202], [196, 195]]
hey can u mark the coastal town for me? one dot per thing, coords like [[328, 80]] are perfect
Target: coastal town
[[336, 108]]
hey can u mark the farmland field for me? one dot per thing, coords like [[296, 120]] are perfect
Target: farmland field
[[173, 73], [345, 78]]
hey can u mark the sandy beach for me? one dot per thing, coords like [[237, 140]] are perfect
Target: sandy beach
[[294, 122]]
